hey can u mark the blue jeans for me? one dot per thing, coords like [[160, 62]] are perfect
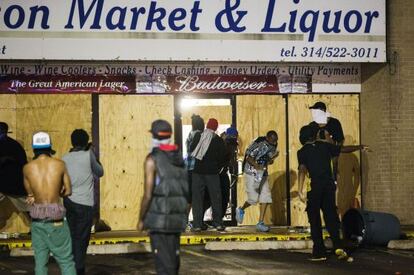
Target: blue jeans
[[80, 218]]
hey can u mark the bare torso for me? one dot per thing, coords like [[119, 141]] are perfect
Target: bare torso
[[47, 179]]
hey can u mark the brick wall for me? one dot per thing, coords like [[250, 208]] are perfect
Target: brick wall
[[387, 119]]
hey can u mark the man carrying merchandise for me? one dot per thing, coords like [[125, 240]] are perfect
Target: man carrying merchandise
[[12, 159], [164, 205], [46, 180], [259, 155], [82, 166]]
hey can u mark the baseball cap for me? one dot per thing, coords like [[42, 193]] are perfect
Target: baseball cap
[[212, 124], [318, 105], [161, 129], [41, 140], [232, 131], [4, 127]]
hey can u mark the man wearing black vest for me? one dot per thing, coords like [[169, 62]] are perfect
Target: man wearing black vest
[[164, 205]]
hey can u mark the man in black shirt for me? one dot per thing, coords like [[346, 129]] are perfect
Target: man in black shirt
[[12, 160], [333, 130], [315, 158]]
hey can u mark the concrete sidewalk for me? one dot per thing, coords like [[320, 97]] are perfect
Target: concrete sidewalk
[[234, 238]]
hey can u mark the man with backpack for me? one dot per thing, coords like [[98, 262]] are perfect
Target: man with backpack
[[259, 155]]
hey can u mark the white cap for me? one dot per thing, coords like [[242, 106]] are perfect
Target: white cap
[[41, 140]]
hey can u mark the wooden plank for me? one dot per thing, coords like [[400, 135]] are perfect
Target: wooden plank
[[59, 115], [8, 112], [124, 144], [346, 109], [256, 115]]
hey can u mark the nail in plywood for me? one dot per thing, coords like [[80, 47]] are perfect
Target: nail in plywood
[[124, 143]]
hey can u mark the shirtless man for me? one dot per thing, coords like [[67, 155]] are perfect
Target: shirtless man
[[46, 180]]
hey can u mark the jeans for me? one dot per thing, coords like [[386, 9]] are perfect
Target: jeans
[[322, 197], [80, 218], [52, 237], [201, 182], [166, 250]]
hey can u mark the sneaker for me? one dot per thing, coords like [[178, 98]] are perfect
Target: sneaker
[[189, 227], [261, 227], [341, 254], [199, 229], [196, 229], [317, 258], [239, 215], [219, 228]]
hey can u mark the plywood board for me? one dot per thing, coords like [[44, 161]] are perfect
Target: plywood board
[[346, 109], [8, 112], [124, 143], [256, 115], [58, 115]]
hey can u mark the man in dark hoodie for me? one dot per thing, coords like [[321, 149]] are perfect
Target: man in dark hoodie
[[12, 160], [164, 205], [209, 150]]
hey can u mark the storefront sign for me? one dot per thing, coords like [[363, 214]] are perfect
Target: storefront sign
[[189, 30], [66, 84], [222, 84], [159, 77]]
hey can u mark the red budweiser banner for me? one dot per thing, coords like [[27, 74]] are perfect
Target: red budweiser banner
[[233, 84], [67, 84], [139, 84]]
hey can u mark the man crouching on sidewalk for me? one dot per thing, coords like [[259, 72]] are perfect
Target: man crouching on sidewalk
[[46, 180]]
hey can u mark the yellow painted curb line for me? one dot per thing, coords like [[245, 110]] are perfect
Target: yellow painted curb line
[[185, 239], [194, 239]]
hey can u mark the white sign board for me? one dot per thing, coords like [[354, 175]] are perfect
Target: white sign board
[[213, 30]]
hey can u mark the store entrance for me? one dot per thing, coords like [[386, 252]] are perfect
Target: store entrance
[[221, 108]]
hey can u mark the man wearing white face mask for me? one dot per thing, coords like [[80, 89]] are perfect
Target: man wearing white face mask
[[328, 128]]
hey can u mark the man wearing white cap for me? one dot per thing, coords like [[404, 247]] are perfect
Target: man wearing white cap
[[46, 180]]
